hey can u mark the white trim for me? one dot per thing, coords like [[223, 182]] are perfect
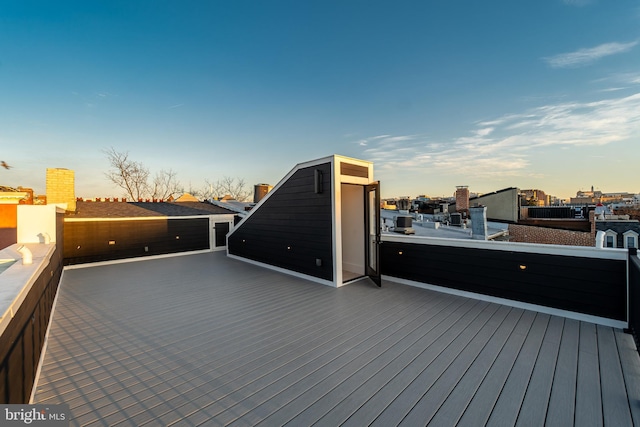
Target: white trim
[[145, 218], [336, 222], [134, 259], [614, 235], [283, 270], [577, 251], [627, 234], [45, 342], [512, 303]]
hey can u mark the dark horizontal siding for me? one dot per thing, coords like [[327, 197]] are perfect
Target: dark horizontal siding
[[354, 170], [634, 295], [585, 285], [88, 241], [292, 228]]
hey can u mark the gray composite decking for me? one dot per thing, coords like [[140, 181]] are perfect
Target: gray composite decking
[[207, 340]]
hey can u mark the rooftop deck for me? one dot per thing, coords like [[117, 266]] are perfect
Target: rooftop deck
[[207, 340]]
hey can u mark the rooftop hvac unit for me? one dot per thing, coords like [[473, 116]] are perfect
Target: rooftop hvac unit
[[456, 219], [403, 225], [403, 204]]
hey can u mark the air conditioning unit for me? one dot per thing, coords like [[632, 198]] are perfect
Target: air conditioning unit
[[402, 224]]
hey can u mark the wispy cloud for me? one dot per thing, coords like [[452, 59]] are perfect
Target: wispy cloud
[[587, 56], [175, 106], [508, 146], [384, 139], [578, 3]]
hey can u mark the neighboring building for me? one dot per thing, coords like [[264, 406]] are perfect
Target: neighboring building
[[619, 233], [462, 199], [534, 198], [61, 188], [260, 190], [186, 197], [502, 205], [9, 200]]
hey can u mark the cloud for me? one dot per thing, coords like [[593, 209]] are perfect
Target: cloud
[[578, 3], [587, 56], [484, 131], [512, 143], [175, 106]]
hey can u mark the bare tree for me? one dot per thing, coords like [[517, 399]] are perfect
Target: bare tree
[[227, 186], [165, 185], [133, 177], [211, 190], [236, 188]]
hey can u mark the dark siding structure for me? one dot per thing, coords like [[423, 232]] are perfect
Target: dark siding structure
[[634, 294], [22, 341], [584, 285], [293, 226], [102, 240]]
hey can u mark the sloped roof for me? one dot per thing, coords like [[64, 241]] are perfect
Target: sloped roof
[[186, 197], [619, 226], [143, 209]]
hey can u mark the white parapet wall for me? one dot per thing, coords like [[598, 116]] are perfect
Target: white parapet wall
[[37, 223]]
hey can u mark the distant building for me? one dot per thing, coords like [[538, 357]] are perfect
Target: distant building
[[462, 199], [534, 198], [61, 187], [619, 233], [9, 200], [502, 205], [260, 190]]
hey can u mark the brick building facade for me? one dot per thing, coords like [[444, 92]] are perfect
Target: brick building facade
[[61, 187]]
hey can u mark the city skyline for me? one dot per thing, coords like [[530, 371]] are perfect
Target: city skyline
[[498, 95]]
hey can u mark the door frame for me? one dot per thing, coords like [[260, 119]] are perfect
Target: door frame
[[372, 231]]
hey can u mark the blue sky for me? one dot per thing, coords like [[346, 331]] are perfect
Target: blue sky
[[496, 94]]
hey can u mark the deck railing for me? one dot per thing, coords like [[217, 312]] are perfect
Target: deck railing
[[634, 294], [582, 282]]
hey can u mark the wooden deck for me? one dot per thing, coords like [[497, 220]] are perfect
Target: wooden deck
[[206, 340]]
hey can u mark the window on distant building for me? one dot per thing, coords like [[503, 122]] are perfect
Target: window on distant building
[[630, 239], [610, 238]]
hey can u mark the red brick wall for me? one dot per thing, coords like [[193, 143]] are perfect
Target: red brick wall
[[462, 199], [552, 236]]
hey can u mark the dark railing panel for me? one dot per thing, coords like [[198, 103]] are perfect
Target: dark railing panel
[[104, 240], [634, 293], [585, 285]]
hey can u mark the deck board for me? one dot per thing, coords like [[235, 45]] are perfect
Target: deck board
[[536, 399], [479, 407], [614, 411], [207, 340], [561, 407]]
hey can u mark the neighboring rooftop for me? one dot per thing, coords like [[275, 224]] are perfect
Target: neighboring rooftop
[[427, 227], [86, 209], [205, 339]]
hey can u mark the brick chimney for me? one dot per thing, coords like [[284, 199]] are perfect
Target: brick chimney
[[61, 187], [462, 198]]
